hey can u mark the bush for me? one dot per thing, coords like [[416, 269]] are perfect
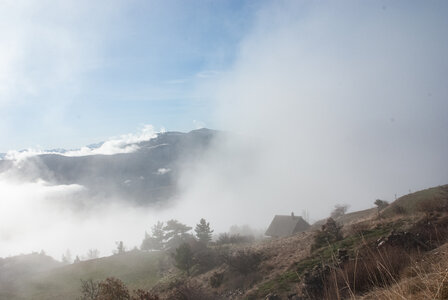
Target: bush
[[243, 261], [112, 288], [330, 232], [89, 290], [226, 238], [431, 206], [431, 233], [183, 258], [359, 228], [189, 292], [398, 210], [205, 259], [339, 210], [216, 279], [144, 295]]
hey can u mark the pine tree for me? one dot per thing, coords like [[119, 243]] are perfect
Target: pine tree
[[176, 233], [120, 248], [155, 240], [158, 235], [203, 231]]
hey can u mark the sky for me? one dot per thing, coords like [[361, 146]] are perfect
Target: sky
[[78, 72], [327, 102]]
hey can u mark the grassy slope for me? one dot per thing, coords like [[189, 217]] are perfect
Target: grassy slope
[[136, 269], [410, 202], [285, 261], [348, 218], [286, 281]]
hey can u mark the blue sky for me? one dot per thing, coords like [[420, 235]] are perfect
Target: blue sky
[[78, 72], [75, 72]]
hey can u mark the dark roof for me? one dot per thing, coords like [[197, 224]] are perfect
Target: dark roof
[[286, 225]]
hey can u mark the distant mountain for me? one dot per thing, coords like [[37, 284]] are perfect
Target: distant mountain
[[145, 176]]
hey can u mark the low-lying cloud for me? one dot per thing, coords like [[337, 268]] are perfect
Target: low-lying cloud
[[342, 103], [126, 143]]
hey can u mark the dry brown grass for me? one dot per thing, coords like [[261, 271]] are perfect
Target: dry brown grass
[[426, 278]]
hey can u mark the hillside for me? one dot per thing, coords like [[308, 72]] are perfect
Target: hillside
[[394, 256], [410, 203], [144, 176], [137, 269]]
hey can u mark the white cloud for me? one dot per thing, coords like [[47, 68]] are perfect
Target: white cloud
[[163, 171], [126, 143], [207, 74], [122, 144], [199, 124]]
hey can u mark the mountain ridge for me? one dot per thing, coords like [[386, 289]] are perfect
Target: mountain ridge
[[147, 175]]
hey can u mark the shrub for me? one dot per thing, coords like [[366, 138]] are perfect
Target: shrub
[[380, 204], [430, 206], [189, 292], [339, 210], [398, 210], [431, 233], [226, 238], [112, 288], [359, 228], [205, 259], [183, 258], [216, 279], [243, 261], [89, 290], [144, 295], [329, 233]]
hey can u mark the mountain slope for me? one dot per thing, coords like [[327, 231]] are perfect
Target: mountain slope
[[145, 176]]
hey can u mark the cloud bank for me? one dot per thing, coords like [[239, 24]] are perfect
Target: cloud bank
[[343, 103], [126, 143]]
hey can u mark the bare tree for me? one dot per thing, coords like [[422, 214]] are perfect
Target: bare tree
[[89, 290], [339, 210], [67, 257], [93, 253]]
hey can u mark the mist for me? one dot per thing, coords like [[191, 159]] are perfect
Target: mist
[[318, 109], [338, 110]]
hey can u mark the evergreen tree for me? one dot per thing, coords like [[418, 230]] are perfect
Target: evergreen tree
[[158, 235], [203, 231], [175, 228], [156, 240], [176, 233], [120, 248], [183, 258]]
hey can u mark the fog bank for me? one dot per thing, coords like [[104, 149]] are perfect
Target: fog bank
[[343, 102]]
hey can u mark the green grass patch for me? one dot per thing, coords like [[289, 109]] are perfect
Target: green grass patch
[[135, 269]]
